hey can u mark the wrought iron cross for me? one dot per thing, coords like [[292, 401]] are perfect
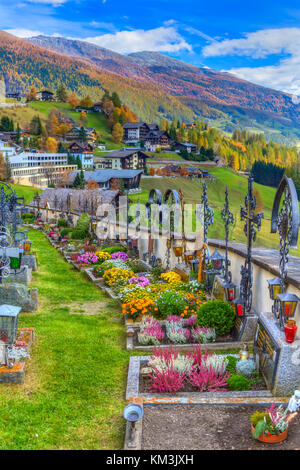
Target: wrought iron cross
[[208, 219], [228, 219], [252, 226]]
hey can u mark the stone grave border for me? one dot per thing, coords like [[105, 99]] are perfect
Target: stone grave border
[[132, 390]]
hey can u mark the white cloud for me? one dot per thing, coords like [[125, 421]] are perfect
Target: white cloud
[[23, 33], [284, 75], [163, 39], [55, 3]]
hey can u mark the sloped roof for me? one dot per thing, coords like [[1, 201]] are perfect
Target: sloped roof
[[101, 176], [98, 196], [134, 125]]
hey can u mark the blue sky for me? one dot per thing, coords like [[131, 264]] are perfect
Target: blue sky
[[259, 41]]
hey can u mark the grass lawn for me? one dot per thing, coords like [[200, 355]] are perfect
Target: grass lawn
[[73, 395], [28, 192]]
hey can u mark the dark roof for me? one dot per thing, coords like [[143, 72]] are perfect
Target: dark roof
[[99, 196], [123, 153], [155, 133], [101, 176], [82, 145], [46, 91], [134, 125], [187, 144]]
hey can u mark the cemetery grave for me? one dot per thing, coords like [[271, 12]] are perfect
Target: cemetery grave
[[204, 342]]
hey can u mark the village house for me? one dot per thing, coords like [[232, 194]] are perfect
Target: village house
[[112, 179], [190, 148], [45, 95], [85, 151], [135, 132], [13, 96], [157, 138], [122, 160], [184, 171], [74, 134]]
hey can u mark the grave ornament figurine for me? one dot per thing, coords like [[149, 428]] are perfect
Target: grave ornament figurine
[[294, 403]]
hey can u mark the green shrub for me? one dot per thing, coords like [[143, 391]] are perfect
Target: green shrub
[[114, 249], [218, 315], [170, 303], [231, 365], [78, 234], [246, 367], [62, 223], [83, 223], [28, 216], [259, 416], [65, 231], [238, 382]]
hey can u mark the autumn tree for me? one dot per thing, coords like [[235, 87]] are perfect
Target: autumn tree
[[52, 123], [117, 133], [51, 145], [86, 102], [83, 118], [93, 185], [73, 100], [31, 95]]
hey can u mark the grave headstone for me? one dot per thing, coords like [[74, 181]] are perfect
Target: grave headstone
[[278, 360]]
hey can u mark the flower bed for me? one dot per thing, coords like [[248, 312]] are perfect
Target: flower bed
[[190, 374]]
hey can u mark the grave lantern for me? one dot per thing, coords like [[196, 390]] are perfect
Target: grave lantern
[[9, 317], [209, 277], [189, 256], [177, 250], [195, 265], [217, 260], [239, 306], [27, 246], [274, 287], [288, 304], [230, 291]]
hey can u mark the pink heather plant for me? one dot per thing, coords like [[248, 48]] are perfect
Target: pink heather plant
[[166, 381], [120, 255], [87, 258], [191, 321], [168, 354], [173, 319], [208, 380], [141, 281]]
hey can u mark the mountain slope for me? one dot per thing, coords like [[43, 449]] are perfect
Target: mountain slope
[[23, 65], [181, 79]]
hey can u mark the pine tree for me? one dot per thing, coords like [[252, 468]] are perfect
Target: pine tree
[[61, 93], [82, 134]]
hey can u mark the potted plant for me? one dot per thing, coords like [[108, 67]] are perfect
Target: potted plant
[[271, 426]]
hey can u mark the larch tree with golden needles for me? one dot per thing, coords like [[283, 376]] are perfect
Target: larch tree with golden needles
[[117, 133], [73, 100], [51, 145]]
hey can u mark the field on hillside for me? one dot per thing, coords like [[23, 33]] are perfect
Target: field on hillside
[[22, 115], [95, 120], [237, 186]]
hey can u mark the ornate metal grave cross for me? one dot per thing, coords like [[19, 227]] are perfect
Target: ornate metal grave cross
[[208, 219], [228, 219], [252, 225]]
